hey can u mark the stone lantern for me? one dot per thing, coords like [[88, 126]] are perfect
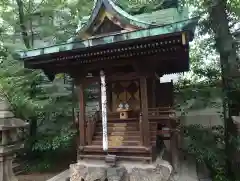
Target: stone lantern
[[10, 141]]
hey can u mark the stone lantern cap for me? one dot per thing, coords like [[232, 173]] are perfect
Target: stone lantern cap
[[10, 140], [12, 123]]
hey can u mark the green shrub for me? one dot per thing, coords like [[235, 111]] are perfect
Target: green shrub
[[207, 146]]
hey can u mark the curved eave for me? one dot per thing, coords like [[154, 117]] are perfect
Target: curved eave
[[113, 11], [182, 26], [132, 20]]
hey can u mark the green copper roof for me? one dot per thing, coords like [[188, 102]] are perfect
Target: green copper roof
[[187, 25], [113, 9], [107, 9]]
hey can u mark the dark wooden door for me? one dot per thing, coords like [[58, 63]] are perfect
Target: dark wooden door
[[126, 92]]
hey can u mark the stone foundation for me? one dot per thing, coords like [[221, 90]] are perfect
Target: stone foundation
[[124, 171]]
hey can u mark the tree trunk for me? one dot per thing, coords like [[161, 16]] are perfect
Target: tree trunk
[[228, 59], [22, 21], [28, 40], [33, 131]]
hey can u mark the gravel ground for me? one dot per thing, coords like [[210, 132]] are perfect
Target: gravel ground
[[35, 177]]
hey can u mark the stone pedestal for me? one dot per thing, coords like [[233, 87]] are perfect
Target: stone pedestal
[[85, 171], [6, 172], [9, 140]]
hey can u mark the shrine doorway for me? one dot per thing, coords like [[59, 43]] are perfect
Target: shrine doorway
[[125, 92]]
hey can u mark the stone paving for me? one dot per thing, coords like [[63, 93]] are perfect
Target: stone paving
[[187, 171], [61, 177]]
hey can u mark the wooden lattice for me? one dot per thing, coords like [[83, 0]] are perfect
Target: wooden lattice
[[126, 92]]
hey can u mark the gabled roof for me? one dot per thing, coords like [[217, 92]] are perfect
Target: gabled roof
[[107, 10], [164, 16]]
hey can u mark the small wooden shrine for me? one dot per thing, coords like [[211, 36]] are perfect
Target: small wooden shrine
[[119, 59]]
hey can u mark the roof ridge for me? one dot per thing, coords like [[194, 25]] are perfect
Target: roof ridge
[[112, 7]]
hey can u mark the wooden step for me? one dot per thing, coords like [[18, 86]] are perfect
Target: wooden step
[[111, 129], [121, 154], [130, 158], [119, 133], [130, 127], [133, 124], [126, 137], [123, 120], [123, 143], [127, 133], [122, 149], [163, 117], [119, 124]]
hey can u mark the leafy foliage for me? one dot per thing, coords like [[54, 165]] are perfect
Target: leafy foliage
[[207, 146], [219, 41], [54, 129], [32, 96]]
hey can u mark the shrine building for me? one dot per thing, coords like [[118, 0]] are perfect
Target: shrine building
[[123, 56]]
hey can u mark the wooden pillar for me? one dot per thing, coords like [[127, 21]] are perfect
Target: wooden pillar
[[144, 106], [82, 115], [104, 111], [153, 92]]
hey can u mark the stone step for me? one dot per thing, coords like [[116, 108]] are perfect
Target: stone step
[[18, 167]]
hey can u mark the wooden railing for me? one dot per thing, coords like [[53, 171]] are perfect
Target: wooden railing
[[141, 129], [153, 114], [91, 125], [161, 113]]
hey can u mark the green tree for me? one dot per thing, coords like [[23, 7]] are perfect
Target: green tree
[[31, 95], [218, 20]]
